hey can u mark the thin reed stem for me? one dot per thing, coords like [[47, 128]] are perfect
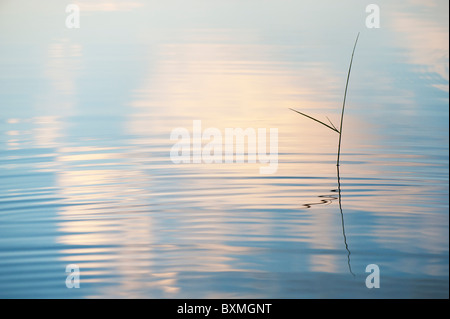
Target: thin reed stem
[[343, 104]]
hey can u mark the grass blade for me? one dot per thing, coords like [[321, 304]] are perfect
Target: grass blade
[[345, 97], [332, 124], [312, 118]]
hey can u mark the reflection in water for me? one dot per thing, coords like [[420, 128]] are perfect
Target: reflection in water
[[328, 199], [333, 128], [342, 220], [86, 176]]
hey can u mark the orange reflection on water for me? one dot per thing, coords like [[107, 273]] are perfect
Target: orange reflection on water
[[425, 37]]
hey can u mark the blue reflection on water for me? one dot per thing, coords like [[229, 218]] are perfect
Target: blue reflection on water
[[86, 176]]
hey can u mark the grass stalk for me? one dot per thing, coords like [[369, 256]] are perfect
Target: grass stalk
[[332, 127], [339, 131], [343, 104]]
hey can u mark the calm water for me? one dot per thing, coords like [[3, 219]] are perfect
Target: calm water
[[86, 176]]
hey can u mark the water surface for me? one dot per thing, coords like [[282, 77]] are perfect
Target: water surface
[[86, 176]]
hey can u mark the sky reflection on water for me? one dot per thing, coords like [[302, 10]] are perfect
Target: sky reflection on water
[[86, 175]]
